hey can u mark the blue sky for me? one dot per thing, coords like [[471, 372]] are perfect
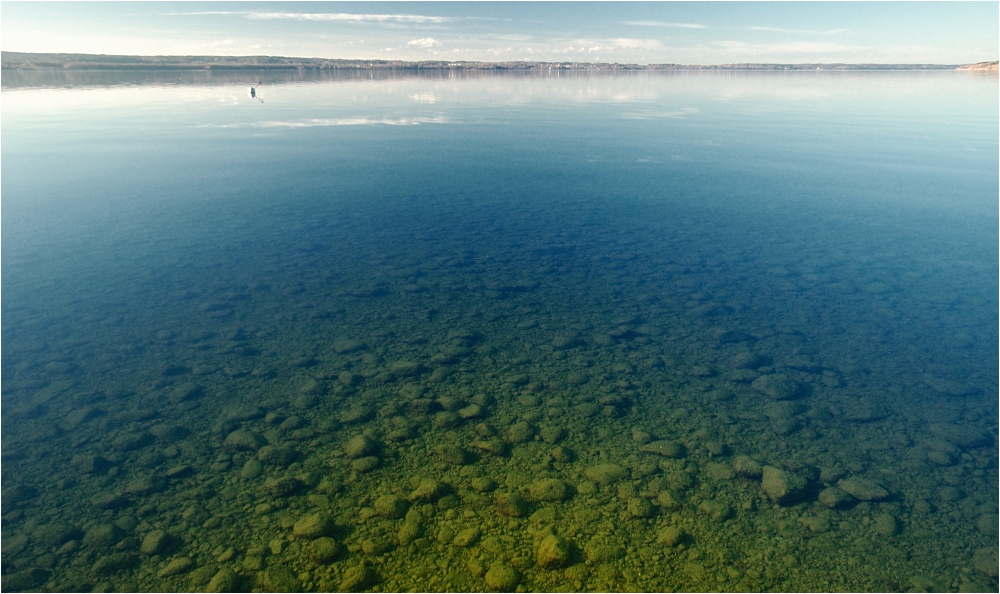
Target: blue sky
[[642, 32]]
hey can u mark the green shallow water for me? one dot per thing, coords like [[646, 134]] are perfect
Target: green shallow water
[[707, 336]]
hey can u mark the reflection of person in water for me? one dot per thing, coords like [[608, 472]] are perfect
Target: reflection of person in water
[[252, 92]]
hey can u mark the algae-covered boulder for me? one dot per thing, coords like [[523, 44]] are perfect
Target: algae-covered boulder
[[502, 578], [747, 467], [602, 549], [284, 486], [22, 581], [885, 524], [832, 497], [279, 578], [360, 446], [428, 490], [357, 578], [606, 474], [176, 567], [103, 536], [225, 580], [553, 552], [391, 506], [466, 538], [777, 386], [549, 489], [670, 536], [986, 560], [53, 535], [664, 447], [313, 526], [781, 486], [155, 542], [862, 488], [520, 432], [243, 440], [324, 549], [640, 507], [452, 454], [511, 504], [409, 532]]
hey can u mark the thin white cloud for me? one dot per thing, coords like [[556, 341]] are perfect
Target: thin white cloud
[[423, 42], [344, 17], [610, 45], [807, 49], [798, 31], [510, 37], [664, 24]]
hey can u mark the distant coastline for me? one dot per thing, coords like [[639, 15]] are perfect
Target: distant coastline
[[34, 61]]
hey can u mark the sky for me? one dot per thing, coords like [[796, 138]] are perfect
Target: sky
[[624, 32]]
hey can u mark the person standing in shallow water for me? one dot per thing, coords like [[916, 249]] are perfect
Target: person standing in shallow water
[[252, 92]]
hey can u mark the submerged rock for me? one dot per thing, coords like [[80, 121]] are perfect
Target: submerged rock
[[664, 447], [177, 566], [987, 560], [391, 506], [832, 497], [549, 489], [313, 526], [452, 454], [862, 488], [511, 504], [670, 536], [155, 542], [53, 535], [466, 538], [244, 440], [360, 446], [225, 580], [357, 578], [502, 578], [427, 490], [777, 386], [640, 507], [553, 552], [520, 432], [606, 474], [324, 549], [781, 486], [279, 578]]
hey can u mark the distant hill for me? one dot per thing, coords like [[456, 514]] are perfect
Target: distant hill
[[31, 61], [989, 66]]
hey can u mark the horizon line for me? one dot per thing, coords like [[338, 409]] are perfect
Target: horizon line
[[208, 57]]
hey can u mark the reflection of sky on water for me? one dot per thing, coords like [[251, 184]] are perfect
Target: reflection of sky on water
[[646, 217]]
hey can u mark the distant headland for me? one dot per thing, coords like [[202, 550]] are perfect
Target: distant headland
[[33, 61]]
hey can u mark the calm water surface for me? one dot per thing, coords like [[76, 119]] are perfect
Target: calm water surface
[[693, 332]]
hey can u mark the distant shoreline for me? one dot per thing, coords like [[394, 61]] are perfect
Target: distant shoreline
[[34, 61]]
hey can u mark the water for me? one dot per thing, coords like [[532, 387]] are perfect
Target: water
[[499, 281]]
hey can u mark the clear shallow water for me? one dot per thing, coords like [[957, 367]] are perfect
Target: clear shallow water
[[206, 299]]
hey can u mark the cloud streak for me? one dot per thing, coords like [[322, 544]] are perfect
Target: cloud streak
[[423, 42], [343, 17], [663, 24], [798, 31]]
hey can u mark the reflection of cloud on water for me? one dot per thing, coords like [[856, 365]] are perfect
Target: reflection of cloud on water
[[424, 97], [324, 122], [679, 114]]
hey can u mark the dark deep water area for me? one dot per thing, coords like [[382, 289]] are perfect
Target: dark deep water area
[[564, 332]]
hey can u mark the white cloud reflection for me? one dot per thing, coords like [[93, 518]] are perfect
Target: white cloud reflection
[[326, 122]]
